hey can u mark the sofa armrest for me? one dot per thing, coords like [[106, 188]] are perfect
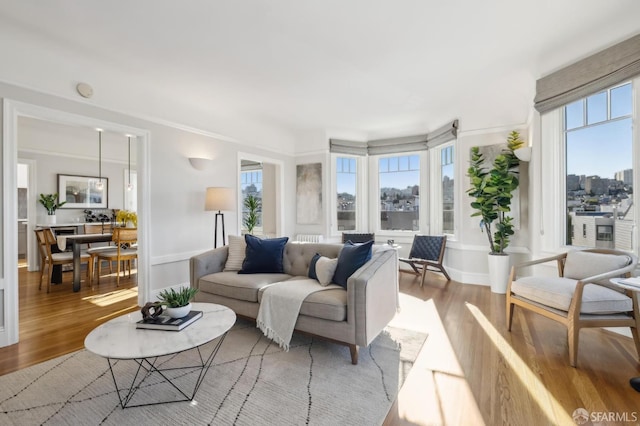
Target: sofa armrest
[[206, 263], [372, 295]]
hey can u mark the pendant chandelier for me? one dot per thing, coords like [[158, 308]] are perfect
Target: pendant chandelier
[[99, 185], [129, 185]]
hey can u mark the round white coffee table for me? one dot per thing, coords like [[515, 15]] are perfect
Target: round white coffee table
[[119, 339]]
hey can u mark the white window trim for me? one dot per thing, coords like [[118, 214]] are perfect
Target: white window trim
[[436, 207], [362, 220], [552, 176], [374, 196]]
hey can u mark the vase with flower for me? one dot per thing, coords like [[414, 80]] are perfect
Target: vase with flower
[[128, 218]]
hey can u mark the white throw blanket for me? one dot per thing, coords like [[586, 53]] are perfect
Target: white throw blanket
[[280, 306]]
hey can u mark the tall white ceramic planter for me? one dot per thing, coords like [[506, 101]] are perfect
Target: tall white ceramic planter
[[499, 272], [51, 219]]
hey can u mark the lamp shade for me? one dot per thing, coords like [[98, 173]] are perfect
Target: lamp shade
[[220, 199]]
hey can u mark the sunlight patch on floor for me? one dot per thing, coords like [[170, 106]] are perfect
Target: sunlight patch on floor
[[436, 391], [106, 299], [551, 408]]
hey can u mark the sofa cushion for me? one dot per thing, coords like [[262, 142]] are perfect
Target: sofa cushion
[[556, 292], [312, 266], [322, 269], [263, 255], [297, 256], [237, 248], [352, 257], [236, 286], [327, 304], [325, 269]]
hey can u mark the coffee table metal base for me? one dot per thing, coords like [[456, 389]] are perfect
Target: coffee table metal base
[[148, 367]]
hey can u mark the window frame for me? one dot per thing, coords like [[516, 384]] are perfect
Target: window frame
[[374, 195], [436, 205], [361, 193], [553, 226]]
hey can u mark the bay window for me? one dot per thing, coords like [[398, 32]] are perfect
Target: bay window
[[399, 189]]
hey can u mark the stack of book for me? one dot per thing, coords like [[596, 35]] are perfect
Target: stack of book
[[165, 322]]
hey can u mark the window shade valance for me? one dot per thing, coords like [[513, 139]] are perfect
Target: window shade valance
[[590, 75], [396, 145]]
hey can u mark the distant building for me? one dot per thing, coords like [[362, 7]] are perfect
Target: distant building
[[573, 183], [597, 186], [625, 176]]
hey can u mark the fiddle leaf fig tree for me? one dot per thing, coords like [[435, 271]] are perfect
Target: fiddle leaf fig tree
[[492, 190]]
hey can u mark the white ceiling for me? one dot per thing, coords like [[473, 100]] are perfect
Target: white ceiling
[[272, 72]]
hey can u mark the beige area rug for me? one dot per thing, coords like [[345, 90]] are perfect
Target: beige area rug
[[251, 382]]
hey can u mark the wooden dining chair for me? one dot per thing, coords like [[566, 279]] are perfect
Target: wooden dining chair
[[46, 240], [124, 240], [95, 250]]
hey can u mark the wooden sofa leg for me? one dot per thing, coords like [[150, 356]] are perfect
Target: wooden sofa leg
[[354, 354]]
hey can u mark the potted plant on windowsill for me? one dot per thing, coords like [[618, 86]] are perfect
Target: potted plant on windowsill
[[51, 203], [252, 203], [178, 302], [492, 190]]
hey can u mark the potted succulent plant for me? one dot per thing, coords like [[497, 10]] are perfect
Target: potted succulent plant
[[178, 302], [492, 190], [51, 203]]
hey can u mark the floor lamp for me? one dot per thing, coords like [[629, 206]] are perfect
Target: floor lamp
[[219, 199]]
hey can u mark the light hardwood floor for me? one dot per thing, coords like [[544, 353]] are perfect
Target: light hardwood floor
[[470, 371], [56, 323]]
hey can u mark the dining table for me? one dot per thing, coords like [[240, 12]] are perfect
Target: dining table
[[76, 243]]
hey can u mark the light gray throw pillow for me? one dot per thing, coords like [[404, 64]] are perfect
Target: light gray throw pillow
[[237, 247], [325, 268]]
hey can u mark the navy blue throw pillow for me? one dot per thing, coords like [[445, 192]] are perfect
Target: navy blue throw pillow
[[352, 257], [312, 266], [263, 256]]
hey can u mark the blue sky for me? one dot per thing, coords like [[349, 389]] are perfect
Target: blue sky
[[600, 150]]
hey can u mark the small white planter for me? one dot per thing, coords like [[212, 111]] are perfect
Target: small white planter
[[51, 219], [180, 312], [499, 272]]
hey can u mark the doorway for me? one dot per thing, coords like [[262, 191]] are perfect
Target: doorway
[[262, 177], [13, 111]]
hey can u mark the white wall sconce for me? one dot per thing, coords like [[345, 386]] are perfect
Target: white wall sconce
[[524, 153], [200, 163]]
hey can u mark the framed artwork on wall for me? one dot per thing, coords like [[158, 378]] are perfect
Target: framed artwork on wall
[[82, 192], [309, 193]]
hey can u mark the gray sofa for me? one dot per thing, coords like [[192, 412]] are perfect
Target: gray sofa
[[353, 317]]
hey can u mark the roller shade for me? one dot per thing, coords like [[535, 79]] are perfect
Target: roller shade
[[442, 135], [439, 136], [340, 146], [604, 69], [397, 145]]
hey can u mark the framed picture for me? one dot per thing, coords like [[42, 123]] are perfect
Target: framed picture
[[309, 193], [82, 192]]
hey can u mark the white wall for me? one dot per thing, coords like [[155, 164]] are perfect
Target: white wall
[[178, 223]]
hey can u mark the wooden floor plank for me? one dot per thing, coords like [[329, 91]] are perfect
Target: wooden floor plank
[[466, 373]]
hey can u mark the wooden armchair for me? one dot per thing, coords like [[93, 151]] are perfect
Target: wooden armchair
[[581, 295], [427, 252]]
